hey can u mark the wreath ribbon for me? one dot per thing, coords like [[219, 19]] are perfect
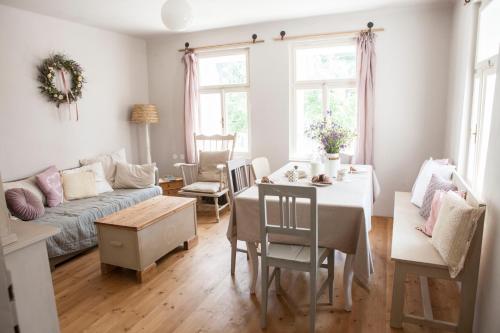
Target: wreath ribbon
[[67, 96]]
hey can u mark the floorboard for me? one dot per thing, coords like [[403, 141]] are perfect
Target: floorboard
[[193, 291]]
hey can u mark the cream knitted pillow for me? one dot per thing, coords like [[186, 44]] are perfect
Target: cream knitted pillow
[[79, 185], [455, 227]]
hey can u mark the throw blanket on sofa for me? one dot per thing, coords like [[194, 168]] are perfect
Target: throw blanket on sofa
[[76, 218]]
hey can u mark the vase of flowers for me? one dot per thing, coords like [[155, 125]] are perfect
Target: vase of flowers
[[332, 139]]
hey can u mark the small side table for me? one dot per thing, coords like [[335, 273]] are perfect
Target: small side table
[[171, 186]]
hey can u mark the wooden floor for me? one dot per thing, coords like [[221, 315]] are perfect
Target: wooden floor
[[194, 292]]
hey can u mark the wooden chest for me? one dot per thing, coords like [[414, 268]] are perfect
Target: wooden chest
[[136, 237]]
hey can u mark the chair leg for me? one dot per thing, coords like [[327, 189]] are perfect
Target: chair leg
[[217, 217], [398, 297], [263, 310], [312, 305], [277, 281], [331, 276], [234, 244]]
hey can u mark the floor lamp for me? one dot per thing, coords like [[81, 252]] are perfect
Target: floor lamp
[[145, 114]]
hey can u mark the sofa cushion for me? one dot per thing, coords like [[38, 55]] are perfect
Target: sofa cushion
[[49, 182], [454, 229], [203, 187], [101, 183], [108, 162], [436, 183], [23, 204], [28, 184], [79, 185], [134, 176], [208, 172]]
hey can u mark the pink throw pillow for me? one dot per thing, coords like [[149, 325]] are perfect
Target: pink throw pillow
[[24, 204], [49, 182], [437, 201]]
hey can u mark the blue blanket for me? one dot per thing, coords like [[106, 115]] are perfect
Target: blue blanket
[[76, 218]]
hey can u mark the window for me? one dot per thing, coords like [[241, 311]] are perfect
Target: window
[[224, 85], [483, 93], [323, 79]]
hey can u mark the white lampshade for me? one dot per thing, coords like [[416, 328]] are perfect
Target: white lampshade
[[176, 14]]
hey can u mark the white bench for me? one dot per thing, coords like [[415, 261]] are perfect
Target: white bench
[[413, 253]]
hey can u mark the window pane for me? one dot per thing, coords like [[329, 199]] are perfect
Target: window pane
[[326, 63], [237, 118], [309, 103], [489, 95], [342, 102], [489, 31], [210, 114], [472, 148], [223, 70]]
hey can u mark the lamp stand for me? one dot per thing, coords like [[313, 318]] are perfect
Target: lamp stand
[[148, 145]]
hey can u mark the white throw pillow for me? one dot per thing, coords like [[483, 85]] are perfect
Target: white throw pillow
[[79, 185], [108, 162], [454, 230], [429, 168], [101, 183], [27, 184], [134, 176]]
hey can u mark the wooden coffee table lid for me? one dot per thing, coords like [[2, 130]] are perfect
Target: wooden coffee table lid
[[146, 213]]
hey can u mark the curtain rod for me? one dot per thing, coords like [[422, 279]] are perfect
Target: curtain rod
[[219, 46], [327, 34]]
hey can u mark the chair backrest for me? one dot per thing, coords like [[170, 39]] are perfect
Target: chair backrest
[[286, 202], [260, 167], [238, 175], [213, 143]]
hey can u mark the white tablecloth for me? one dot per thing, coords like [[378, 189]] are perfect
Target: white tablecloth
[[344, 215]]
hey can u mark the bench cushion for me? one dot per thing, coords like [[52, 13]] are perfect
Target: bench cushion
[[409, 244]]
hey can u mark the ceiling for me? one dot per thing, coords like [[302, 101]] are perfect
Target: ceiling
[[142, 17]]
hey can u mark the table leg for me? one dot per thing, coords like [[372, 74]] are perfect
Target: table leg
[[254, 260], [348, 274]]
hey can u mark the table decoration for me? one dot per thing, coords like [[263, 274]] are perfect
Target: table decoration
[[332, 138]]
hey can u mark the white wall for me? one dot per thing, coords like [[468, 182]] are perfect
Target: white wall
[[33, 133], [487, 306], [411, 88]]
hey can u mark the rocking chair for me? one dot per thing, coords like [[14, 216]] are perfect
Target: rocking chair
[[205, 179]]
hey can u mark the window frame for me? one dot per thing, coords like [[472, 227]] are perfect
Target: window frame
[[474, 174], [222, 89], [323, 84]]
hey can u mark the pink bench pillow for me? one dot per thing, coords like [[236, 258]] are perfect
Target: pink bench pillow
[[49, 182]]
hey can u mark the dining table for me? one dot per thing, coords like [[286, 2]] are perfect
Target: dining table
[[344, 220]]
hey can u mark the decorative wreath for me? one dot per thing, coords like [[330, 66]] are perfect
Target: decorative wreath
[[59, 64]]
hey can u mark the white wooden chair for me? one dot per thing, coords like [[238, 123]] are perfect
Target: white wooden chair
[[194, 185], [296, 257], [239, 179], [414, 254], [260, 167]]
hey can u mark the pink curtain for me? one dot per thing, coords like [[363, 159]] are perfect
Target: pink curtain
[[366, 80], [190, 103]]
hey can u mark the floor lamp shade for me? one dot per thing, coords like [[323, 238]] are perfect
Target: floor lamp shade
[[145, 114]]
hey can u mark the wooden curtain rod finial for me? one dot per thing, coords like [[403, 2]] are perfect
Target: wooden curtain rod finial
[[282, 34], [186, 46], [254, 37]]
